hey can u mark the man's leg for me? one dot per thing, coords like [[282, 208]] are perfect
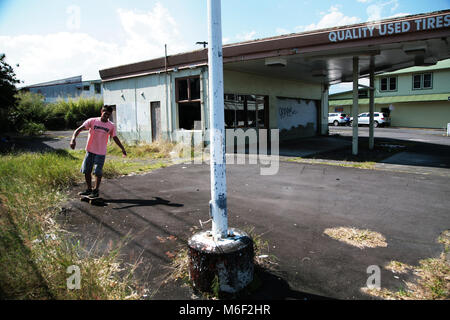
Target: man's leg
[[98, 180], [86, 168], [88, 178], [99, 161]]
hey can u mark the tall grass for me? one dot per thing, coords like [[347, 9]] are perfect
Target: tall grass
[[72, 113], [34, 251], [32, 115]]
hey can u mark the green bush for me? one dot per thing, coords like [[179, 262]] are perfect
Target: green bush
[[32, 129], [29, 109], [32, 115], [72, 113]]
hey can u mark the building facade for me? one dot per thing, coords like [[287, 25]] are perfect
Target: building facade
[[274, 83], [416, 97], [69, 88], [175, 104]]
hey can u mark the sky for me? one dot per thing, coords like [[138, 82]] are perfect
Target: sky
[[56, 39]]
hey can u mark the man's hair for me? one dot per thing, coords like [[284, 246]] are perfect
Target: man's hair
[[107, 108]]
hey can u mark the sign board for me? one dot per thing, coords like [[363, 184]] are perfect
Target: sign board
[[374, 29]]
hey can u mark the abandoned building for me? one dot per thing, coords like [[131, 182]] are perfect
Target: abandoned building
[[274, 83]]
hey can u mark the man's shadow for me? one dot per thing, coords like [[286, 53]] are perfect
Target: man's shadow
[[142, 203]]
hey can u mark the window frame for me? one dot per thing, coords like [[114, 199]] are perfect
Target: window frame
[[177, 80], [422, 81], [260, 98], [388, 84]]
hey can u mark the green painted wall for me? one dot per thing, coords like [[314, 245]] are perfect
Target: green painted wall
[[405, 84], [412, 114], [421, 114]]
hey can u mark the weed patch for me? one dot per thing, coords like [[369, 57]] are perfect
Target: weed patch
[[357, 238]]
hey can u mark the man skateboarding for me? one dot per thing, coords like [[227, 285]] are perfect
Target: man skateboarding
[[100, 129]]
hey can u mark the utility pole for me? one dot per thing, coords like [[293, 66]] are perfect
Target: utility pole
[[222, 256], [218, 203]]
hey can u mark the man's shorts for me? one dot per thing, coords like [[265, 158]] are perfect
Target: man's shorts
[[92, 160]]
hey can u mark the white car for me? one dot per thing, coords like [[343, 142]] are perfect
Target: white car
[[337, 119], [379, 119]]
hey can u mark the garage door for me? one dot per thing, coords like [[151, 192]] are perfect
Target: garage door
[[297, 118]]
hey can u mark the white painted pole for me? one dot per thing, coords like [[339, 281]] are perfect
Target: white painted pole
[[371, 102], [355, 105], [218, 203]]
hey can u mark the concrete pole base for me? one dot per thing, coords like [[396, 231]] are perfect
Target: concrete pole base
[[226, 263]]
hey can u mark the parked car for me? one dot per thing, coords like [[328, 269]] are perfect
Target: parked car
[[379, 119], [337, 119]]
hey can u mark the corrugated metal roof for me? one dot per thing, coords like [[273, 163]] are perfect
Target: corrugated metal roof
[[395, 99]]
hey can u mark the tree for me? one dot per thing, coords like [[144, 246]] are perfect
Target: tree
[[8, 82], [8, 91]]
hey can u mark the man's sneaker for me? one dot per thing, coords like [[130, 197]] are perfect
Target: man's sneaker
[[86, 193], [94, 194]]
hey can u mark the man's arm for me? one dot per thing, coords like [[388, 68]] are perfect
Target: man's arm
[[73, 142], [117, 141]]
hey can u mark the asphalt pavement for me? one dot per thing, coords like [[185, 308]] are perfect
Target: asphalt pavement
[[161, 210]]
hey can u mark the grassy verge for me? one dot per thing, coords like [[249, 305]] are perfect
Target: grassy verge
[[432, 277], [370, 165], [35, 252]]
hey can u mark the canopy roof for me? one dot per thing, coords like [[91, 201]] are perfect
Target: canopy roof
[[321, 56]]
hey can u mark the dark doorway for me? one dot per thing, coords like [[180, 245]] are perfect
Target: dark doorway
[[156, 120]]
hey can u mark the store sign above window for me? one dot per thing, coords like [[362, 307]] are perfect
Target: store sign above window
[[379, 30]]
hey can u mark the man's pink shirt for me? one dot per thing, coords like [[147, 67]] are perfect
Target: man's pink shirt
[[98, 135]]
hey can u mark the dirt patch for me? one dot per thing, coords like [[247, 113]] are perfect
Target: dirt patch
[[356, 237]]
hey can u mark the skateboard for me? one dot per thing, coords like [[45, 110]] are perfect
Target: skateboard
[[95, 201]]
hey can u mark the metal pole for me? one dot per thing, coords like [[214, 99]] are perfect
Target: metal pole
[[371, 102], [355, 105], [218, 203]]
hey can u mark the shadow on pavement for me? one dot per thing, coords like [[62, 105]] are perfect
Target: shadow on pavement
[[142, 203], [386, 150], [275, 288], [19, 144]]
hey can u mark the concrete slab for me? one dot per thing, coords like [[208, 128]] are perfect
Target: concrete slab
[[291, 210], [419, 159], [308, 146]]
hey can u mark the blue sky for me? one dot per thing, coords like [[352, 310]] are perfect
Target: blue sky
[[55, 39]]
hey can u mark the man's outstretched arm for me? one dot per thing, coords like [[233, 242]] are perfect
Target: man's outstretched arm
[[117, 141], [73, 142]]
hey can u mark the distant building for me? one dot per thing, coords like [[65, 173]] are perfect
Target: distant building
[[416, 97], [73, 87]]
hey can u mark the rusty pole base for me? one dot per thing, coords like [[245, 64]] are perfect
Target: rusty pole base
[[225, 265]]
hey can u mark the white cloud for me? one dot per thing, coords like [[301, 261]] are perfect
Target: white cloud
[[246, 36], [334, 17], [376, 11], [64, 54]]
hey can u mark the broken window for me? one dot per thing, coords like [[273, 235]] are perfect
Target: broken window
[[189, 101], [188, 89], [188, 114], [245, 111]]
